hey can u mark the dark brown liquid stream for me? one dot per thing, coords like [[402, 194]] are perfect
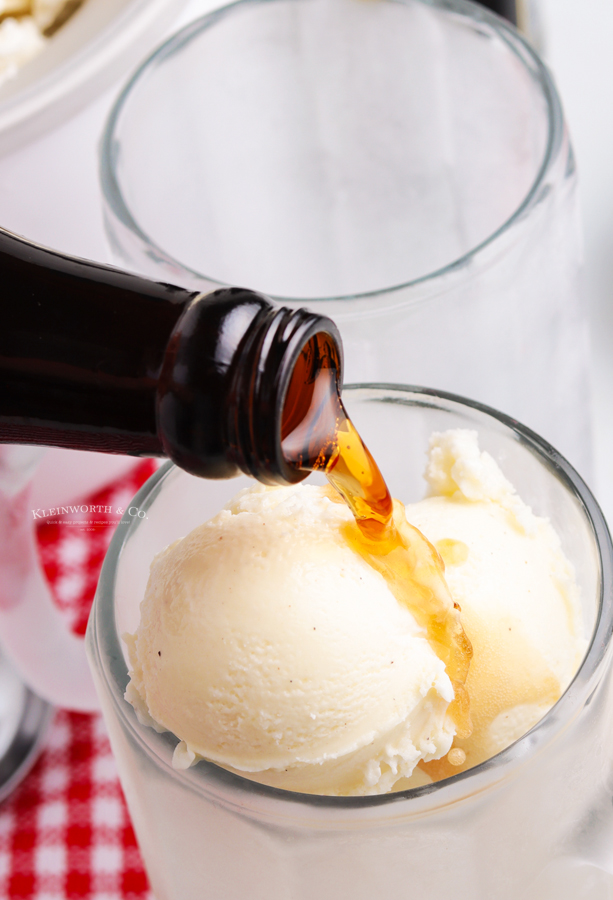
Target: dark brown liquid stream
[[317, 434]]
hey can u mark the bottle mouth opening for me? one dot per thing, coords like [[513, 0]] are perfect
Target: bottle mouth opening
[[281, 423], [309, 420]]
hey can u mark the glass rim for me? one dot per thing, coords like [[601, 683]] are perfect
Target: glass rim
[[477, 14], [213, 780]]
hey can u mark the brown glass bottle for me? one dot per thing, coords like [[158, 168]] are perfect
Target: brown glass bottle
[[94, 358]]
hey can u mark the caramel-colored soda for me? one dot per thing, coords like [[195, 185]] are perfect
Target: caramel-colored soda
[[317, 434]]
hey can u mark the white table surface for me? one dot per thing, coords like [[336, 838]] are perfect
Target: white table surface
[[49, 189]]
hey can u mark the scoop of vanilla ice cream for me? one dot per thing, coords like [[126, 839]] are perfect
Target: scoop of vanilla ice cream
[[520, 604], [268, 645]]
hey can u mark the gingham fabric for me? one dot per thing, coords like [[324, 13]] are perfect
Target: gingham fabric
[[65, 832]]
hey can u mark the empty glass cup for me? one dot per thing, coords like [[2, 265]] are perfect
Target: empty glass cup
[[401, 166], [534, 822]]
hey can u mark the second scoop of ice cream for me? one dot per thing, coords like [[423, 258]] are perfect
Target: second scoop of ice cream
[[520, 603]]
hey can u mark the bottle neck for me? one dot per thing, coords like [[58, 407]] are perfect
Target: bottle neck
[[234, 344], [277, 394]]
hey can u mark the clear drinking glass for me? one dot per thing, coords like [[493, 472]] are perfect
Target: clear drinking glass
[[534, 822], [402, 166]]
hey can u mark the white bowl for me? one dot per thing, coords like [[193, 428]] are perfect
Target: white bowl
[[102, 41]]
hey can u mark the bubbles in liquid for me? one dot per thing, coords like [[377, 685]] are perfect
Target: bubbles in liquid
[[456, 756], [317, 434]]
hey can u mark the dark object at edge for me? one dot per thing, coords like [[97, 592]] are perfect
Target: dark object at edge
[[505, 8]]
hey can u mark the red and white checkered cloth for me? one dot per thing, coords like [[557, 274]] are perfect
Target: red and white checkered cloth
[[65, 832]]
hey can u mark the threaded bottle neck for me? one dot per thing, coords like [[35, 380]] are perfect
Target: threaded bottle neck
[[229, 366], [277, 341]]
